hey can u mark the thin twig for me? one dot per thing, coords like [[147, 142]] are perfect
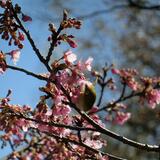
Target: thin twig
[[27, 72], [103, 85], [110, 105], [11, 145], [100, 12], [52, 45], [130, 4]]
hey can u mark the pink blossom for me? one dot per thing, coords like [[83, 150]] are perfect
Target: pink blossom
[[97, 144], [23, 124], [72, 43], [132, 84], [69, 57], [61, 110], [3, 3], [108, 118], [26, 18], [16, 141], [26, 108], [104, 158], [153, 97], [21, 36], [93, 109], [15, 55], [43, 127], [121, 117], [100, 157], [58, 99], [86, 65], [115, 71]]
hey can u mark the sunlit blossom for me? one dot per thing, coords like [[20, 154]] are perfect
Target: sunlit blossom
[[69, 57], [15, 55]]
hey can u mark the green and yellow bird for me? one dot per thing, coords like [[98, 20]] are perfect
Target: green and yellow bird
[[87, 97]]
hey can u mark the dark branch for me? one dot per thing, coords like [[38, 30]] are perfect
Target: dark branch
[[100, 12], [64, 139], [36, 50], [52, 45], [27, 72], [130, 4], [133, 4], [60, 125], [11, 145], [147, 147]]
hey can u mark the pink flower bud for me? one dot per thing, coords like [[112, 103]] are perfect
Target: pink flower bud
[[21, 36], [26, 18], [72, 43]]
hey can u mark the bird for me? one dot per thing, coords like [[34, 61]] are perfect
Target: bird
[[87, 97]]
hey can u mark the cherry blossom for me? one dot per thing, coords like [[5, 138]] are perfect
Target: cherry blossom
[[95, 144], [15, 55], [21, 36], [82, 66], [72, 43], [153, 97], [69, 57], [121, 117]]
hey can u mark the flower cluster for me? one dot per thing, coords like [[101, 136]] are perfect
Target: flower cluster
[[128, 77], [117, 114], [66, 23], [144, 85], [9, 28], [70, 75], [71, 23], [68, 39]]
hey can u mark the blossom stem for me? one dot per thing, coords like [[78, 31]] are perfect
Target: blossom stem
[[27, 72], [52, 45]]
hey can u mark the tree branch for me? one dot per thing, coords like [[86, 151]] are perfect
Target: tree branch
[[27, 72], [40, 57], [103, 11], [130, 4], [133, 4], [52, 44], [83, 145], [147, 147], [60, 125]]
